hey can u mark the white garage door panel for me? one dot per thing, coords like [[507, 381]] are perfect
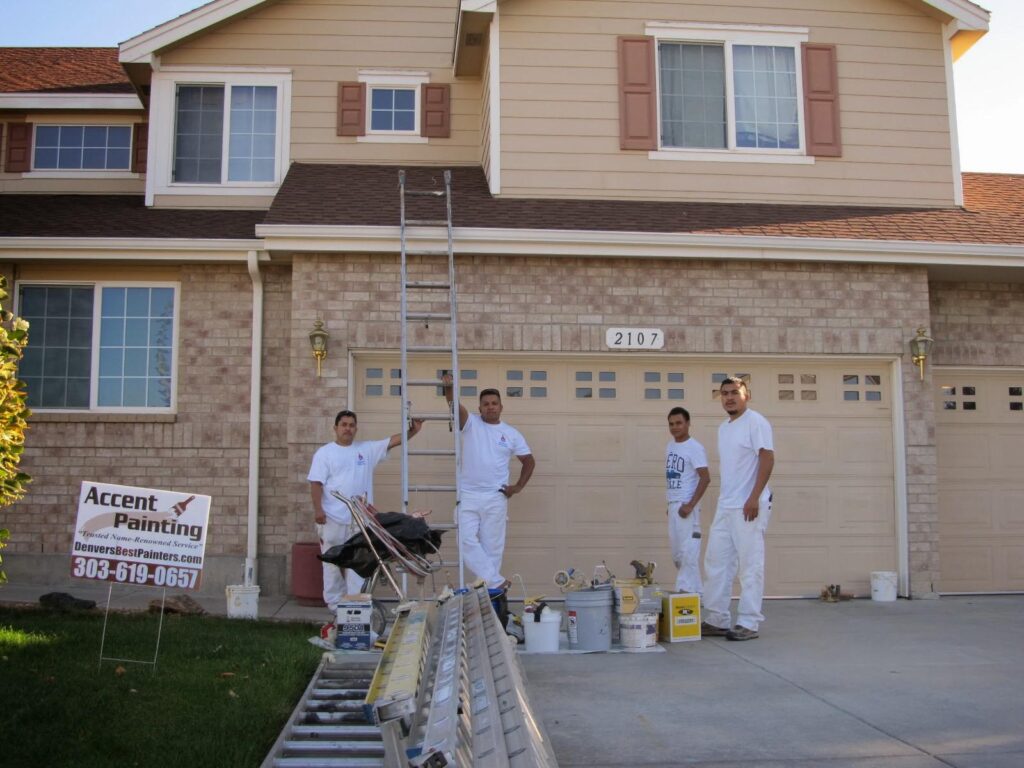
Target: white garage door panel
[[598, 491], [980, 443]]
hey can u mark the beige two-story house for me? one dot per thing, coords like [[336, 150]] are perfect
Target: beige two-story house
[[772, 189]]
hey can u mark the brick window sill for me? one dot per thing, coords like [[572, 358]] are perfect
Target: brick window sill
[[108, 418]]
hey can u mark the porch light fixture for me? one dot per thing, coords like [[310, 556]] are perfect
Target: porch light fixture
[[920, 348], [318, 341]]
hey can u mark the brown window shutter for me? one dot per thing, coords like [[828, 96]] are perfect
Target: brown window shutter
[[351, 109], [436, 112], [821, 101], [638, 114], [140, 145], [19, 147]]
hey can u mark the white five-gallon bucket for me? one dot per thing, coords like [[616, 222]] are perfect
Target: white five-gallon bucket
[[243, 601], [883, 586], [638, 630], [542, 636]]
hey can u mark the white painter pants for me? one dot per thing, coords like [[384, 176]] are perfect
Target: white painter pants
[[735, 543], [482, 521], [336, 584], [685, 548]]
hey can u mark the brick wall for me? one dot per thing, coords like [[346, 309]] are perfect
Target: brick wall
[[977, 323], [204, 448], [565, 304]]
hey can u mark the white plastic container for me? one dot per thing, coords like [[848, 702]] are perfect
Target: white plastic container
[[638, 630], [243, 601], [883, 586], [542, 636]]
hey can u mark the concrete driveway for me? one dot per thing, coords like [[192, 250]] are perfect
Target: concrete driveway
[[909, 684]]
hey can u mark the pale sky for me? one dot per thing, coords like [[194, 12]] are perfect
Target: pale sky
[[990, 108]]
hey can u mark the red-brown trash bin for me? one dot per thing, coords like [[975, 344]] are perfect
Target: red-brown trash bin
[[307, 574]]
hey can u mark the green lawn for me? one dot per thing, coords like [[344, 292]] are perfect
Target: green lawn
[[219, 696]]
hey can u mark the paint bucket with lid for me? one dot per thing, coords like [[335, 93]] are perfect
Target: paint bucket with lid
[[542, 631], [590, 619], [883, 586], [638, 630]]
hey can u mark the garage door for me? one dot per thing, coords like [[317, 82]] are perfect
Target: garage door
[[597, 427], [980, 439]]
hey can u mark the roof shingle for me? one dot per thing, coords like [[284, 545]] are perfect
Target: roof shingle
[[367, 195], [62, 70]]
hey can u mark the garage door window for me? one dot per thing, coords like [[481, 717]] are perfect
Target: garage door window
[[959, 398], [858, 387], [663, 385]]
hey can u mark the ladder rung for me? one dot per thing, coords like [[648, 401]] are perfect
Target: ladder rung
[[428, 348], [432, 488], [431, 452], [428, 316], [430, 192], [424, 252], [443, 526], [426, 222], [431, 416], [428, 284], [424, 383]]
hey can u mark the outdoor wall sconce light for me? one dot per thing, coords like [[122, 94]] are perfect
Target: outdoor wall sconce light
[[318, 341], [920, 348]]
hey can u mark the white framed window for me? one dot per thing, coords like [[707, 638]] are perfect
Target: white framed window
[[58, 147], [729, 92], [106, 346], [393, 105], [220, 132]]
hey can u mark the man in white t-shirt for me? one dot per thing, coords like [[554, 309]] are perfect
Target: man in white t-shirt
[[488, 444], [347, 467], [746, 458], [686, 479]]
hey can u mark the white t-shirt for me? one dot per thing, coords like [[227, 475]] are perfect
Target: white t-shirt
[[486, 452], [347, 470], [682, 460], [739, 443]]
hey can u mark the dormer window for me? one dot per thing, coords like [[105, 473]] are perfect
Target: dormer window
[[218, 132]]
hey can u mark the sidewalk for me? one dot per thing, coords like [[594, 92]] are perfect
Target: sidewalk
[[126, 597]]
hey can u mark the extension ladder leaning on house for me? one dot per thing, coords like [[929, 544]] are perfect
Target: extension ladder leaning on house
[[423, 211]]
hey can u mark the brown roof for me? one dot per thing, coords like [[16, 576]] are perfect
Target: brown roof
[[117, 216], [367, 195], [62, 70]]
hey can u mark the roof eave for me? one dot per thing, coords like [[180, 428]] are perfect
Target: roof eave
[[142, 48]]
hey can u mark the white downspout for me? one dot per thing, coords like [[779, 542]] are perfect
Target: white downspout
[[254, 417]]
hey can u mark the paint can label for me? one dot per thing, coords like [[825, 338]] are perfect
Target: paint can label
[[574, 632]]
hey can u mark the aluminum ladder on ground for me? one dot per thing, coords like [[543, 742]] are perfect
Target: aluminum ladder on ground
[[329, 726], [449, 692], [421, 215]]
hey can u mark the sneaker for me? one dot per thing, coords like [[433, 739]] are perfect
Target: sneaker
[[710, 630], [741, 633]]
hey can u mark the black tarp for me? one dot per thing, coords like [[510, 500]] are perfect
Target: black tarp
[[412, 532]]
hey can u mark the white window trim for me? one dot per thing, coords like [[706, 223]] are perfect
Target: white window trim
[[160, 162], [729, 35], [94, 364], [393, 78]]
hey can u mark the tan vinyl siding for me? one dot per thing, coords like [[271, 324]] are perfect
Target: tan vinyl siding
[[485, 114], [325, 43], [560, 129]]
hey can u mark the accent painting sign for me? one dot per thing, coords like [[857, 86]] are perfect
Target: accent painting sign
[[140, 536]]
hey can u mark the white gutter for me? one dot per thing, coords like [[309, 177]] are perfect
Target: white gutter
[[113, 101], [255, 376], [644, 245], [178, 250]]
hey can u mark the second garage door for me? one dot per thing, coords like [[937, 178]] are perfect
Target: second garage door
[[597, 427]]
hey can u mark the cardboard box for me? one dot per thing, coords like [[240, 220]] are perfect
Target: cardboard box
[[352, 623], [680, 618]]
